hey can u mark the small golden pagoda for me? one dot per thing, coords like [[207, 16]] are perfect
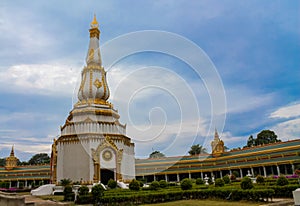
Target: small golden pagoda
[[217, 145], [11, 161]]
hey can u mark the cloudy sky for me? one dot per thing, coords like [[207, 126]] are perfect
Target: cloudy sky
[[176, 70]]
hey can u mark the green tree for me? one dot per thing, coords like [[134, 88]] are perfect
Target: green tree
[[156, 154], [41, 158], [199, 181], [154, 185], [281, 181], [226, 179], [197, 149], [266, 137], [83, 190], [65, 182], [163, 183], [2, 162], [251, 141]]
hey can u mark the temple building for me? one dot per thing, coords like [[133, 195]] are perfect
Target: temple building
[[93, 145], [279, 158]]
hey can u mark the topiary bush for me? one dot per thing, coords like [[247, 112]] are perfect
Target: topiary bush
[[154, 185], [226, 179], [281, 181], [112, 184], [134, 185], [186, 184], [163, 184], [219, 182], [83, 190], [97, 193], [199, 181], [236, 174], [68, 193], [246, 183], [260, 179]]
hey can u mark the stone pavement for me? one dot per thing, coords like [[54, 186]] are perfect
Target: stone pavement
[[35, 201], [280, 202]]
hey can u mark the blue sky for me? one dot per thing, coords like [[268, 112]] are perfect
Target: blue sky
[[254, 46]]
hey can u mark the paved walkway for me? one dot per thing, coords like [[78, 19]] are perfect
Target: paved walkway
[[35, 201], [280, 202]]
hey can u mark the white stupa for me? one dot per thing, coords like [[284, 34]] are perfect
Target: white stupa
[[93, 145]]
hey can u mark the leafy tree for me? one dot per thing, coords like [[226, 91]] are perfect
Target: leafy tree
[[251, 141], [266, 137], [156, 154], [186, 184], [65, 182], [68, 193], [197, 149], [2, 162], [41, 158]]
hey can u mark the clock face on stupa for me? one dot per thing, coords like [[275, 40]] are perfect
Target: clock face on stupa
[[107, 155]]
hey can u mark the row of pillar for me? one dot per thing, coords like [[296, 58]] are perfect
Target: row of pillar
[[251, 171]]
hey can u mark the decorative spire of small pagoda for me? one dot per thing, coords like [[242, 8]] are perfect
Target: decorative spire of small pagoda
[[11, 161], [217, 145], [93, 88]]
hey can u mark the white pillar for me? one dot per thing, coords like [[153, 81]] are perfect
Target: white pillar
[[190, 176], [252, 171], [178, 180], [154, 177], [18, 184], [201, 173], [241, 173], [293, 169], [26, 183], [265, 171], [278, 170], [230, 172], [166, 177], [221, 175]]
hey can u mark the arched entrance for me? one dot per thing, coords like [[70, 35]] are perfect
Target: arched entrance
[[106, 175]]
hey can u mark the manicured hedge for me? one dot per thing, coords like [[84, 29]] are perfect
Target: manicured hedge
[[149, 198]]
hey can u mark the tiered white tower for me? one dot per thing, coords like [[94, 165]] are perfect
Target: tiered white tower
[[93, 145]]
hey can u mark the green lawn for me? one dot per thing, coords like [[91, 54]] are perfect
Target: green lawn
[[205, 203]]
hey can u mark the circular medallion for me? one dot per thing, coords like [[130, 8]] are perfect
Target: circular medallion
[[107, 155]]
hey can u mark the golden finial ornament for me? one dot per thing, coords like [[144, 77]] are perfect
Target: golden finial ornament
[[94, 23]]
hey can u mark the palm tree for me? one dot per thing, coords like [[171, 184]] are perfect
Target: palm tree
[[197, 149]]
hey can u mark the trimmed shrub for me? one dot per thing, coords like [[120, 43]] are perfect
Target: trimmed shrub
[[65, 182], [112, 184], [281, 181], [246, 183], [97, 193], [68, 193], [163, 183], [141, 183], [134, 185], [226, 179], [260, 179], [219, 182], [236, 174], [83, 190], [84, 199], [186, 184], [199, 181], [154, 185]]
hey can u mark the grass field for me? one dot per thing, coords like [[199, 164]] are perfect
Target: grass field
[[205, 203]]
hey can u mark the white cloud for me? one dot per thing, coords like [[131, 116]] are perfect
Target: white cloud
[[287, 111], [39, 79], [288, 130]]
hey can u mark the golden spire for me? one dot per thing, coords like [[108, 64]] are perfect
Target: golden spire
[[94, 23], [12, 153]]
